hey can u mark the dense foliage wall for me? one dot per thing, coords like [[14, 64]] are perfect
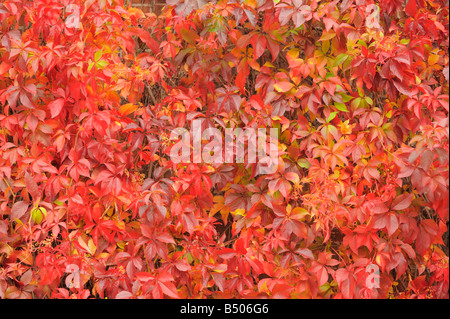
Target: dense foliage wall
[[91, 205]]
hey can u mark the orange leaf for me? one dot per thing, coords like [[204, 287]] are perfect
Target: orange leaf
[[283, 86], [127, 109]]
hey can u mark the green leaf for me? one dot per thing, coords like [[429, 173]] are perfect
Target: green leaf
[[91, 64], [329, 75], [98, 55], [102, 64], [324, 288], [389, 114], [360, 92], [331, 116], [368, 100], [340, 59], [341, 106], [37, 214], [356, 103], [346, 97], [58, 202], [303, 162], [405, 41], [362, 43]]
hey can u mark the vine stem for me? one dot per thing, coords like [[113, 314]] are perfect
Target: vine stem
[[152, 96], [9, 186]]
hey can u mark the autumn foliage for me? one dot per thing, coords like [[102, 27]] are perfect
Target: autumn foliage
[[89, 193]]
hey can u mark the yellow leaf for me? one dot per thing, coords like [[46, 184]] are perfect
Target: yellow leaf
[[38, 214], [251, 3], [327, 35], [92, 247], [283, 86], [254, 65], [219, 270], [346, 128], [293, 53], [25, 257], [263, 287], [239, 211], [433, 59], [378, 259], [83, 244], [219, 203]]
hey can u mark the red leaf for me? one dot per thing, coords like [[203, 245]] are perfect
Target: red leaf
[[411, 8], [346, 282], [182, 265], [165, 277], [147, 39], [391, 224], [281, 291], [305, 252], [402, 202], [244, 40], [19, 209], [32, 186], [56, 107], [165, 238], [259, 45], [241, 78], [26, 101], [273, 47], [124, 295], [4, 67], [426, 159], [226, 253], [77, 199], [376, 207], [283, 86], [292, 177], [380, 222], [169, 289], [146, 230], [428, 230], [402, 88], [189, 222]]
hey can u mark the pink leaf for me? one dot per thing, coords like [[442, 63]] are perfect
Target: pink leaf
[[56, 107], [346, 282], [32, 186], [402, 202], [19, 209], [226, 253], [169, 289], [305, 252], [124, 295], [165, 238]]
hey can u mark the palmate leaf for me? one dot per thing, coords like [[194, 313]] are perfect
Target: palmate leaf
[[93, 204]]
